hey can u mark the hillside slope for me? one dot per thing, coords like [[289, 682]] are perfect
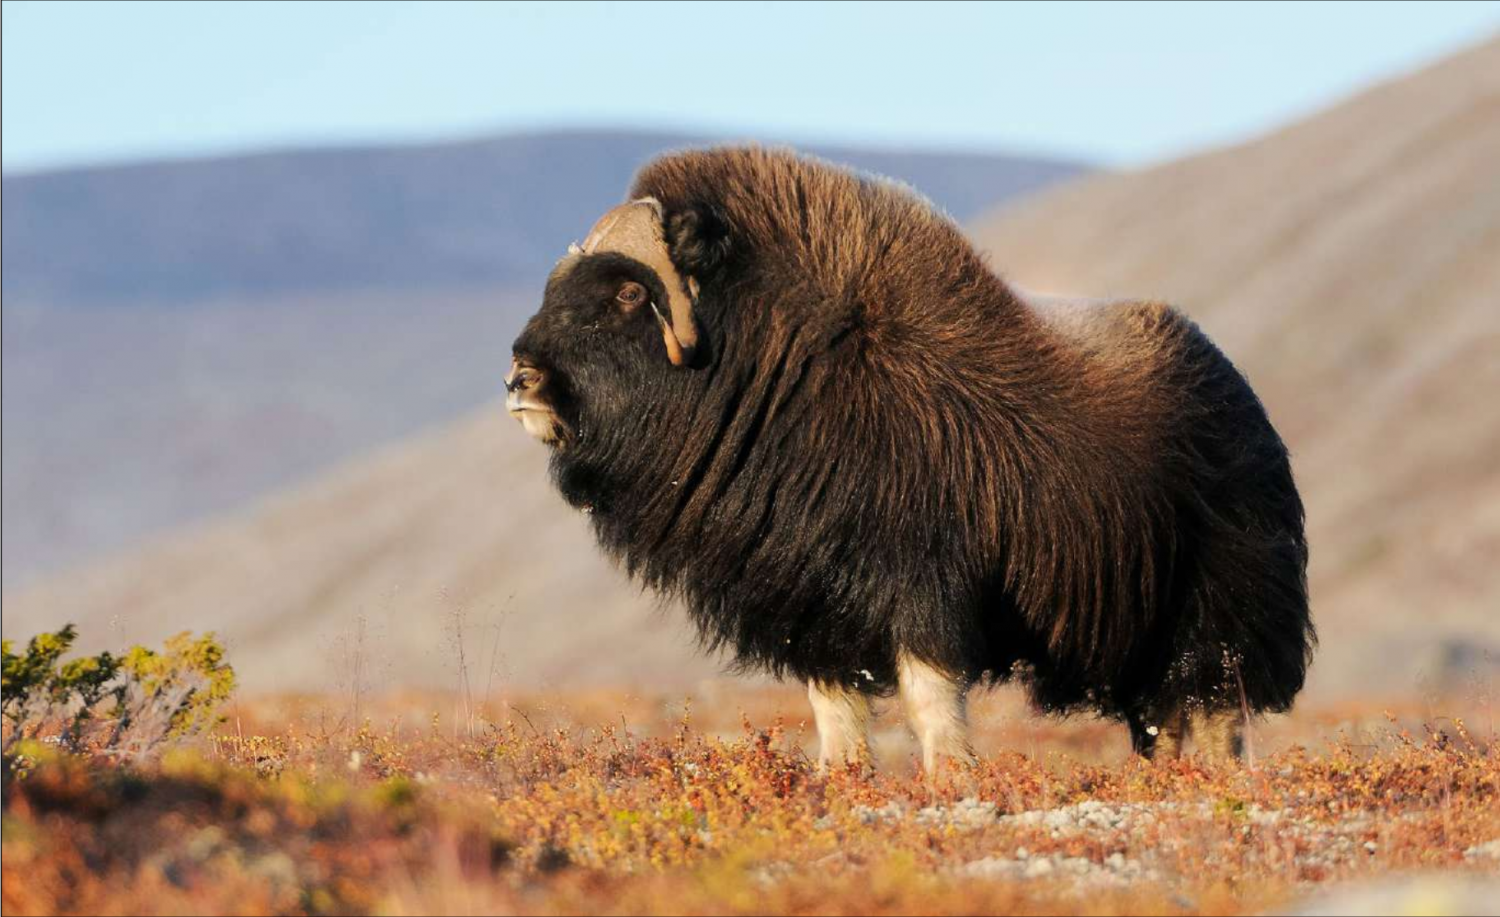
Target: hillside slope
[[454, 529], [1350, 264]]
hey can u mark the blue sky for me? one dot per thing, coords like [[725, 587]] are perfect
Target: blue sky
[[1117, 83]]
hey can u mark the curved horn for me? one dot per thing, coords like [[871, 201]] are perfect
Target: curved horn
[[637, 230]]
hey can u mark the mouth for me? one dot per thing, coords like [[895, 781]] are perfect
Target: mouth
[[525, 388]]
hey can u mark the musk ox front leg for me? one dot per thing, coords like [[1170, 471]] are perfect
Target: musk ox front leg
[[935, 703], [843, 718]]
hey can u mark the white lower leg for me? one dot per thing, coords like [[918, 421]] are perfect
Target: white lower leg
[[843, 718], [1220, 734], [935, 710]]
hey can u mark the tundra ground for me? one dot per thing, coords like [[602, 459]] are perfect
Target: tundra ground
[[611, 802]]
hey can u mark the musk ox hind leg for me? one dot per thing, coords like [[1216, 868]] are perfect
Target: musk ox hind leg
[[843, 719], [1219, 734], [1158, 735], [935, 709]]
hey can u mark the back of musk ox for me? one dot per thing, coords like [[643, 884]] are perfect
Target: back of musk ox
[[797, 398]]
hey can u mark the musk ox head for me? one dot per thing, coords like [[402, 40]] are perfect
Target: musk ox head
[[615, 306]]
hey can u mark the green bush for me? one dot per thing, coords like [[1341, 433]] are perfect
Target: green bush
[[130, 702]]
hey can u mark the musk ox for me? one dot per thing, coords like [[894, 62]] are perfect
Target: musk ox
[[796, 398]]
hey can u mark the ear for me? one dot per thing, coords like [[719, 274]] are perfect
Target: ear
[[698, 240]]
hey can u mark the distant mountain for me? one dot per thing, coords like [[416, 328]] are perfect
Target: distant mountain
[[490, 213], [181, 338], [1350, 264]]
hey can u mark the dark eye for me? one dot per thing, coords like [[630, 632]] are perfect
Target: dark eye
[[631, 295]]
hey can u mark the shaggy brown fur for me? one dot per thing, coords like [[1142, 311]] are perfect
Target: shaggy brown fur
[[884, 450]]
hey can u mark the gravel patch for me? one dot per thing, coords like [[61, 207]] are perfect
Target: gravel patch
[[891, 812], [1136, 830], [1116, 869], [1089, 816], [967, 814]]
